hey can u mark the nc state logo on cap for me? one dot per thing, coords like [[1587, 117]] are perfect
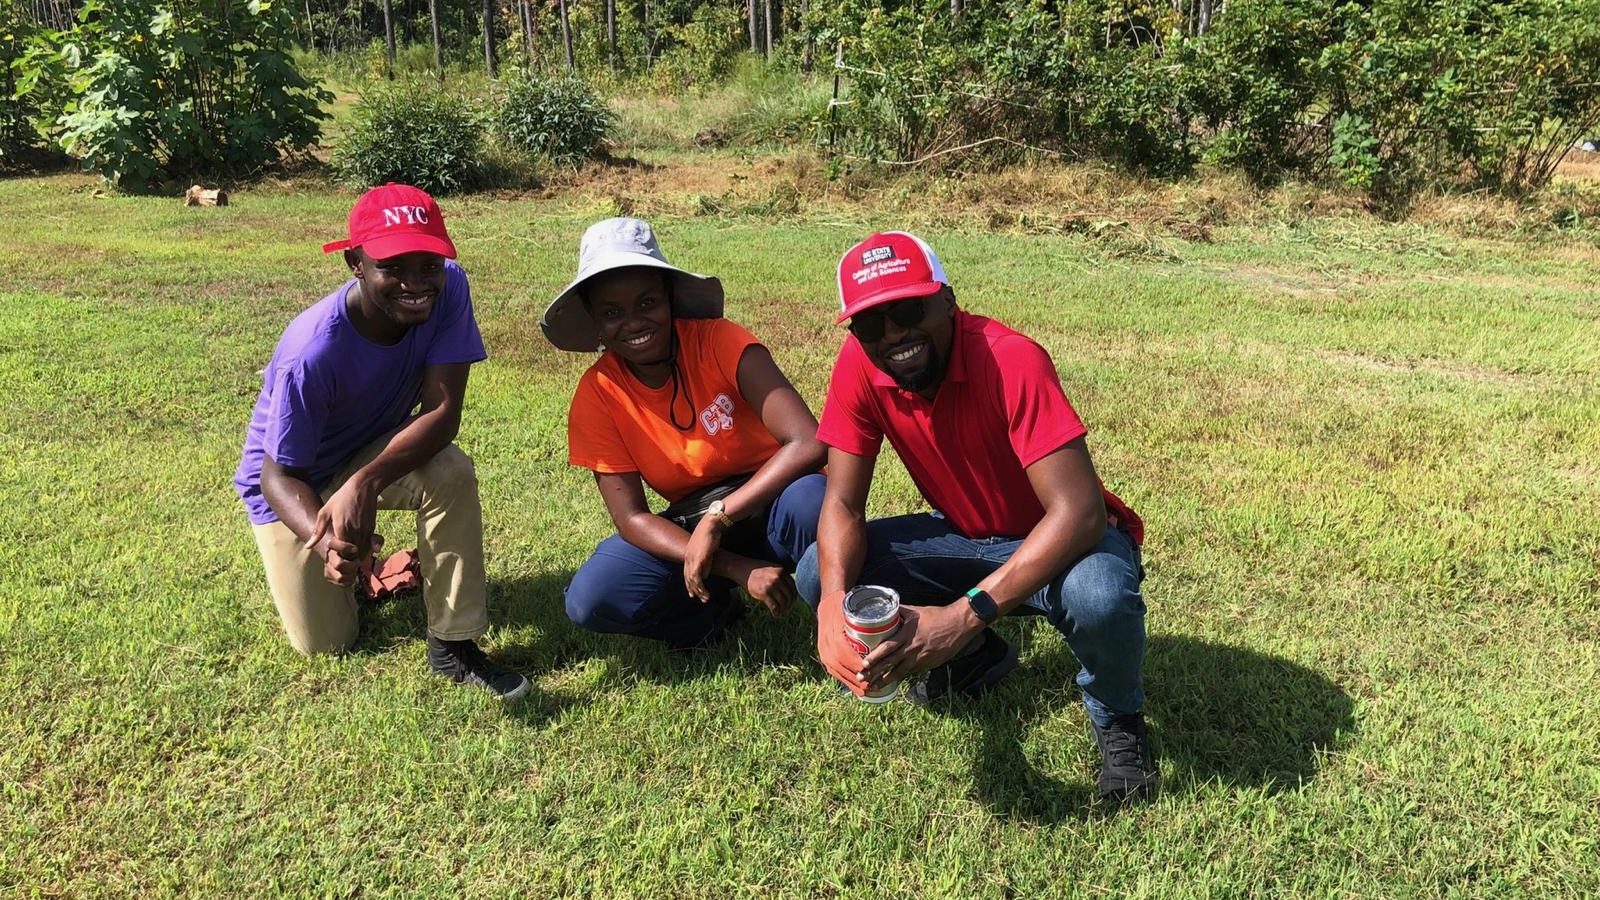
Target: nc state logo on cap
[[890, 265]]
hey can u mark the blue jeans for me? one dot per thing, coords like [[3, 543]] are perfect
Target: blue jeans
[[1095, 603], [624, 590]]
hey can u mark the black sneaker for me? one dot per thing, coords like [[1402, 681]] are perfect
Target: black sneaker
[[970, 674], [465, 663], [1127, 768]]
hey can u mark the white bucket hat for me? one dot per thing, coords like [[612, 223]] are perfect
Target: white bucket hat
[[615, 244]]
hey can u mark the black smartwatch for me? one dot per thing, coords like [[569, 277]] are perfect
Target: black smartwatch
[[983, 605]]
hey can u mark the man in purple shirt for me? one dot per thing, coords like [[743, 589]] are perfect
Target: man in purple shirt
[[357, 412]]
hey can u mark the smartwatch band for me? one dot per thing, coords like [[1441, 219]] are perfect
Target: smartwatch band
[[983, 605]]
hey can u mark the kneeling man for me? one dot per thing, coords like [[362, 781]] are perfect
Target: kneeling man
[[1022, 524], [357, 412]]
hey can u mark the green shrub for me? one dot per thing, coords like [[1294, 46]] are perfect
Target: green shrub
[[413, 133], [167, 91], [17, 112], [1255, 84], [702, 50], [558, 119]]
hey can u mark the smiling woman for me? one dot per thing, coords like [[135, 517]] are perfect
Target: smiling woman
[[693, 405]]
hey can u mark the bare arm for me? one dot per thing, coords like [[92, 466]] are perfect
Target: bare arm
[[1074, 522], [350, 514], [623, 495], [290, 494], [763, 385], [841, 551], [786, 416]]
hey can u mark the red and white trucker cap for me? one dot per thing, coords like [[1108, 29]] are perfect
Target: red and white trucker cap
[[890, 265]]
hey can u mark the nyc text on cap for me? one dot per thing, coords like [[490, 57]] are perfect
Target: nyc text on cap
[[394, 219]]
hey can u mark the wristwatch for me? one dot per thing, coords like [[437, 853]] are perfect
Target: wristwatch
[[983, 605], [716, 510]]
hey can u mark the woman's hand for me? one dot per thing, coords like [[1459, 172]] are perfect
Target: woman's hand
[[765, 582], [698, 556]]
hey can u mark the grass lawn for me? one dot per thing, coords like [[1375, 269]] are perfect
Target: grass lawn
[[1368, 455]]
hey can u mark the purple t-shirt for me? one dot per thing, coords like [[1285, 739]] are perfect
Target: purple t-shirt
[[328, 391]]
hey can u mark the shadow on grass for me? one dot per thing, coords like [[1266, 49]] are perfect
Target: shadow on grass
[[1216, 713], [753, 644]]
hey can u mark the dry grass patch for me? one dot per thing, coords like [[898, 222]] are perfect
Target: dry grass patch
[[1579, 165]]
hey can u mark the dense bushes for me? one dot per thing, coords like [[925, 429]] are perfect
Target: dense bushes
[[161, 90], [416, 133], [560, 119], [1387, 95], [413, 133]]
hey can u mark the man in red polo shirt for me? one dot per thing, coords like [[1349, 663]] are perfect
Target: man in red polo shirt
[[1021, 522]]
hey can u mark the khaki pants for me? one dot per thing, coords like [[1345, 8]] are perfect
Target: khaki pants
[[320, 617]]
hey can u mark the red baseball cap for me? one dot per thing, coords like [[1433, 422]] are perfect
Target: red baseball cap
[[394, 219], [890, 265]]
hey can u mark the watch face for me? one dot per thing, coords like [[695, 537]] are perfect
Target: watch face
[[715, 508], [983, 606]]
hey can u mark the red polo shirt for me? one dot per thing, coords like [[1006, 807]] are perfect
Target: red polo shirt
[[999, 410]]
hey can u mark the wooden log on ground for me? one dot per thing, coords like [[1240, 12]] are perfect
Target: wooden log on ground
[[199, 196]]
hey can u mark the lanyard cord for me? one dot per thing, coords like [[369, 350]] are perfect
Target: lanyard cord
[[677, 380]]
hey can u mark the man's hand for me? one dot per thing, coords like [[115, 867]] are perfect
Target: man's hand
[[341, 562], [927, 638], [698, 556], [349, 516], [833, 647]]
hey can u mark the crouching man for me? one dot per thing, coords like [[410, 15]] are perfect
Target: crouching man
[[1022, 524], [357, 412]]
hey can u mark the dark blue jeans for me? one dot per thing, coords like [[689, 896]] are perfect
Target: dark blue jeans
[[624, 590], [1095, 603]]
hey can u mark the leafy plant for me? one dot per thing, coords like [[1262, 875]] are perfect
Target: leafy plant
[[412, 132], [702, 50], [559, 119], [169, 89]]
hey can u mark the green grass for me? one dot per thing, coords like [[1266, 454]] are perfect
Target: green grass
[[1368, 454]]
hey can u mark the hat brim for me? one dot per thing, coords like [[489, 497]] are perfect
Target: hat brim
[[395, 245], [568, 326], [922, 289]]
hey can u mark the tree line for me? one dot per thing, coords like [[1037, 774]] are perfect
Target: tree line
[[1390, 96]]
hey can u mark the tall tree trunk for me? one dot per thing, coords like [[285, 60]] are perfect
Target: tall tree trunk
[[611, 34], [566, 36], [649, 39], [388, 35], [769, 29], [311, 32], [491, 59], [1205, 17], [438, 41], [755, 16], [955, 10], [526, 20], [805, 26]]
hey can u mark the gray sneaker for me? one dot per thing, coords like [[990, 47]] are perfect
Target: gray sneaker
[[464, 662]]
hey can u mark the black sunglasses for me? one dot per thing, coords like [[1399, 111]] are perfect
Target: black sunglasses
[[870, 325]]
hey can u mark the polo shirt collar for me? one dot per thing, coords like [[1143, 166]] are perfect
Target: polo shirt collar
[[957, 370]]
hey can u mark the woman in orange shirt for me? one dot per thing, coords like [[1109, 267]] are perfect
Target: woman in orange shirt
[[694, 406]]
